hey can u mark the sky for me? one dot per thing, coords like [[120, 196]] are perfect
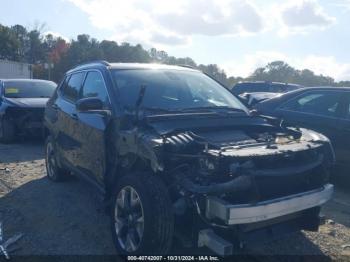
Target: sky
[[238, 35]]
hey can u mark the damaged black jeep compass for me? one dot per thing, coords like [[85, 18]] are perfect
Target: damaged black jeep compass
[[175, 155]]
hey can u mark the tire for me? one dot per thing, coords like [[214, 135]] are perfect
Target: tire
[[53, 171], [8, 132], [156, 234]]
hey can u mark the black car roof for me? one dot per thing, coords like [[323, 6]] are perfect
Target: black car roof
[[332, 88], [267, 83], [120, 66]]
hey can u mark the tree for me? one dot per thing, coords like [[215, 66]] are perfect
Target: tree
[[35, 53], [9, 44], [279, 71], [20, 44]]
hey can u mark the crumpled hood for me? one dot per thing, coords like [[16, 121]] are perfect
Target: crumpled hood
[[168, 124], [28, 102]]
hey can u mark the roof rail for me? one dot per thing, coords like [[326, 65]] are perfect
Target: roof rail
[[102, 62]]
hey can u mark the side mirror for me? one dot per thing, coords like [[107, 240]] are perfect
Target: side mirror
[[89, 104]]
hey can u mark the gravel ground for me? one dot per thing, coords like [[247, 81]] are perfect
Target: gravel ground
[[68, 219]]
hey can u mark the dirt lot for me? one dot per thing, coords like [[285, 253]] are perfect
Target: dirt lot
[[67, 218]]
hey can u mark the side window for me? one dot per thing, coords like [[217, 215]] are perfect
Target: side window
[[70, 91], [275, 88], [319, 103], [94, 87]]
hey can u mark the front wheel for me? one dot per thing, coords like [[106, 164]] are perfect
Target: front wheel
[[142, 219]]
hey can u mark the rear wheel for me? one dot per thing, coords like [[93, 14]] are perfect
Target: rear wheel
[[142, 219], [53, 171], [8, 131]]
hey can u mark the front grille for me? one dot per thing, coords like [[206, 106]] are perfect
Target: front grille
[[24, 117], [26, 113], [271, 187]]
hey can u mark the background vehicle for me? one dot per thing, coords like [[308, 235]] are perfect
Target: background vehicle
[[22, 104], [324, 109], [251, 93], [175, 154]]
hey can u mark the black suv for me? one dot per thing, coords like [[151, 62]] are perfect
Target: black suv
[[176, 155]]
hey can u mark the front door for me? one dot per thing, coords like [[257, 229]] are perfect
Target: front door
[[92, 127], [67, 120]]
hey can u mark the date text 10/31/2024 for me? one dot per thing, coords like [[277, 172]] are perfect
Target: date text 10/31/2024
[[173, 258]]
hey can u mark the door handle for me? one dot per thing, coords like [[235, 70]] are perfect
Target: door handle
[[74, 116]]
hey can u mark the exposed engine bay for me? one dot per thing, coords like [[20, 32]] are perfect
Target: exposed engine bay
[[229, 162], [214, 170], [240, 164]]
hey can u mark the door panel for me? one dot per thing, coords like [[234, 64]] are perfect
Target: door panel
[[342, 142], [68, 138], [92, 155], [321, 124], [317, 110], [92, 126]]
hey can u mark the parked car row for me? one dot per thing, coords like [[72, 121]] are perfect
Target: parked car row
[[176, 155], [251, 93], [323, 109]]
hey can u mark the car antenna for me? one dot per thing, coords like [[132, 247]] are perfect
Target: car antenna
[[140, 99]]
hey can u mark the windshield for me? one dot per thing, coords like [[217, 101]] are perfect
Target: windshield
[[28, 89], [173, 90]]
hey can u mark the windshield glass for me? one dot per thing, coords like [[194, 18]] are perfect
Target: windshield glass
[[173, 90], [28, 89]]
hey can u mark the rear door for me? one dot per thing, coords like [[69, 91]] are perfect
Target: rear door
[[318, 110], [92, 126], [343, 128], [68, 140]]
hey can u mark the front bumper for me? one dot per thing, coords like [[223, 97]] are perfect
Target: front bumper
[[250, 213]]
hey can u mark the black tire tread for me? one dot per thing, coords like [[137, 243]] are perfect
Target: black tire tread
[[164, 219], [162, 224]]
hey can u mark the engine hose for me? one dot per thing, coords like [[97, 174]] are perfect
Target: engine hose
[[237, 184]]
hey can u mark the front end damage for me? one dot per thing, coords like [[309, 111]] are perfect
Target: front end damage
[[26, 120], [234, 183]]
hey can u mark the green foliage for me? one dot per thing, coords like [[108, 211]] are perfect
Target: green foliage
[[280, 71], [19, 44]]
